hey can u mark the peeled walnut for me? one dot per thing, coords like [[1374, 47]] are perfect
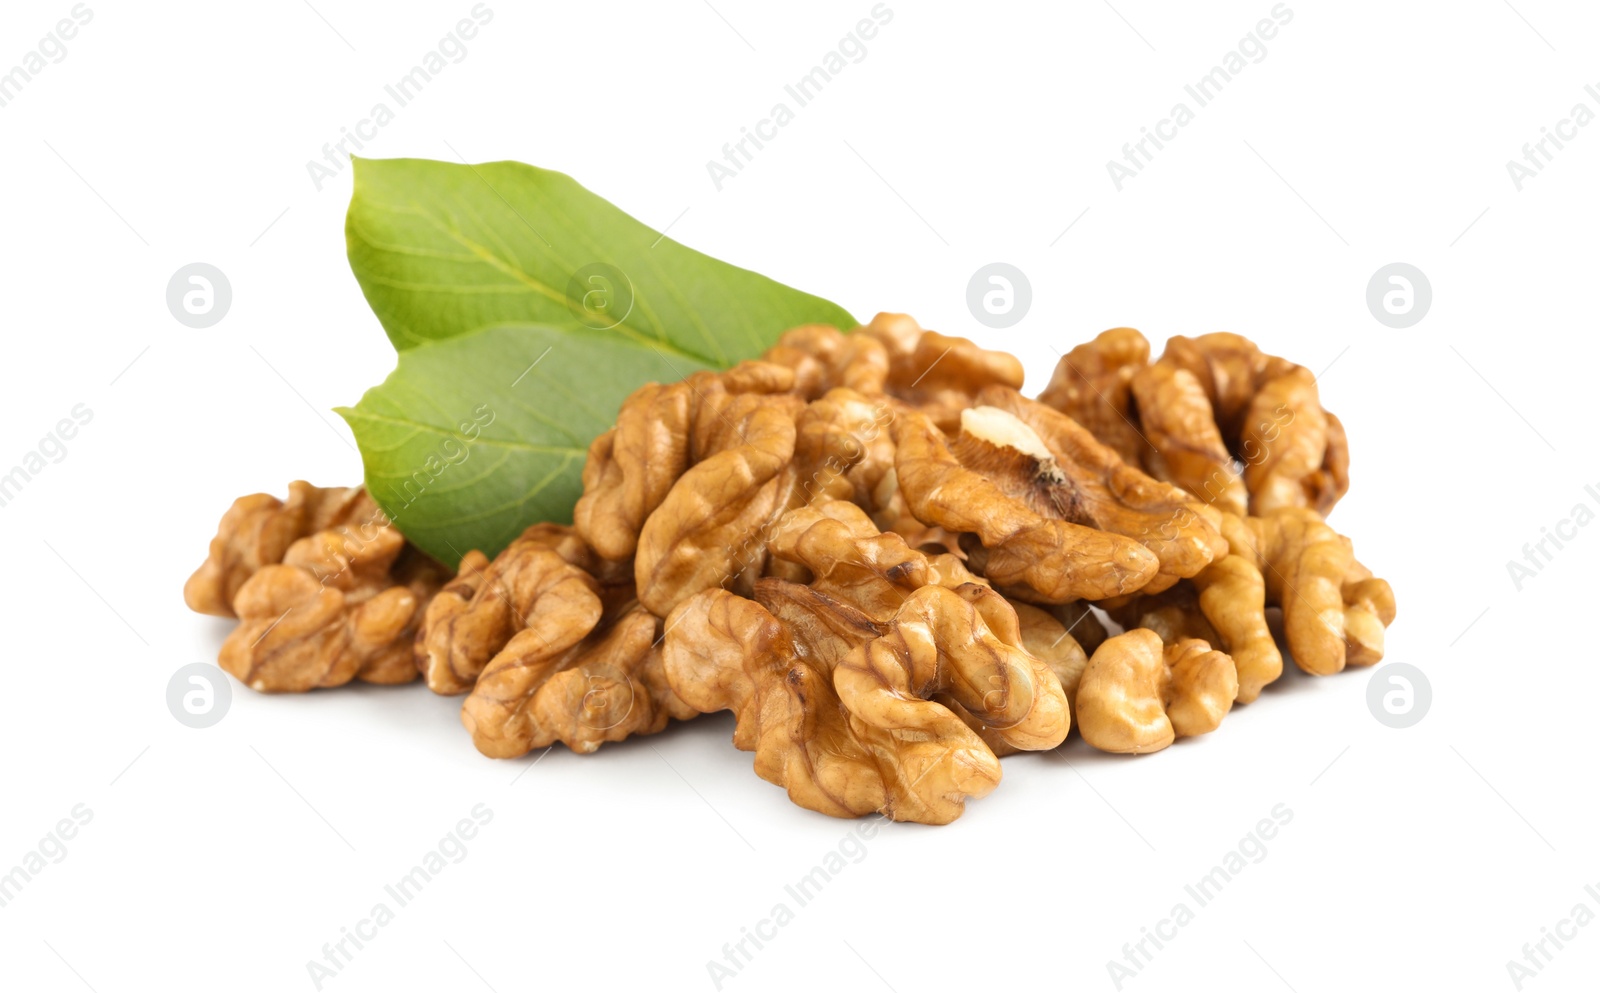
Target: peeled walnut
[[475, 614], [560, 680], [714, 525], [1093, 384], [937, 374], [1232, 594], [330, 614], [1048, 640], [1334, 610], [1137, 694], [258, 530], [552, 646], [823, 359], [695, 473], [835, 684], [1057, 516], [1239, 428]]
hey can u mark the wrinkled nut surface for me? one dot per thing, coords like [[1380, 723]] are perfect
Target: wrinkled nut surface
[[1334, 610], [476, 614], [820, 529], [302, 627], [1137, 694], [694, 474], [836, 685], [582, 686], [1242, 430], [552, 646], [1058, 515], [258, 530]]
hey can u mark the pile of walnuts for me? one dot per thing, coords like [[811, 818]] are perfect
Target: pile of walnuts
[[889, 564]]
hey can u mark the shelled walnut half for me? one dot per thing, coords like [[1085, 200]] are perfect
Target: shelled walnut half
[[342, 604], [1054, 515], [837, 684], [1238, 428]]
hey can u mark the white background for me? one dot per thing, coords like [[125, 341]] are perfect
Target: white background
[[1371, 133]]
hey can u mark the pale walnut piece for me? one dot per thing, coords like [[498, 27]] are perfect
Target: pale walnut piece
[[1057, 515], [258, 530], [1137, 694], [836, 685], [1241, 429]]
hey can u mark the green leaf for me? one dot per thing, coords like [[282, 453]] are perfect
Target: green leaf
[[473, 438], [516, 295], [443, 249], [525, 311]]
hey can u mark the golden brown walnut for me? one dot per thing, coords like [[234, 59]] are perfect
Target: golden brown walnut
[[1057, 515], [1093, 384], [699, 537], [549, 653], [1232, 594], [824, 359], [1334, 610], [258, 530], [1137, 694], [660, 432], [479, 611], [1242, 430], [1047, 639], [1185, 444], [333, 611], [833, 684], [1269, 414], [554, 681], [937, 374], [713, 527]]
